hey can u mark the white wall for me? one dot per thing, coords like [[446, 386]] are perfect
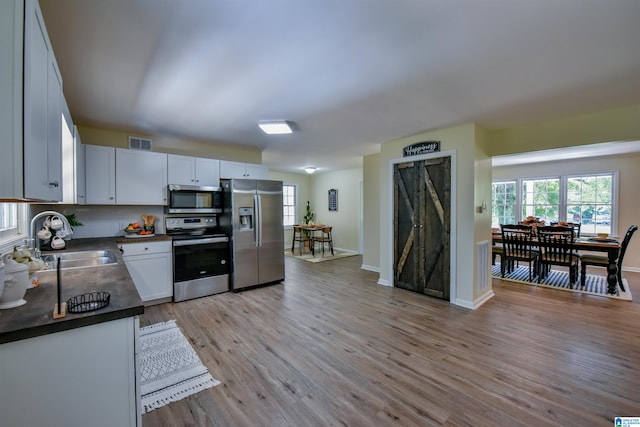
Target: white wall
[[105, 221]]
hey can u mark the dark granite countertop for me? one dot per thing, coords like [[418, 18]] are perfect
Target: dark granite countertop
[[35, 318]]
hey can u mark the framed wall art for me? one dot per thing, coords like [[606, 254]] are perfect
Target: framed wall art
[[333, 200]]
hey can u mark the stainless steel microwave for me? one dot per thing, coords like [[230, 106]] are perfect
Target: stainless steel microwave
[[194, 199]]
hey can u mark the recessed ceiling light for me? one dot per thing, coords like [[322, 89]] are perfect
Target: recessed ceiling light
[[275, 127], [310, 169]]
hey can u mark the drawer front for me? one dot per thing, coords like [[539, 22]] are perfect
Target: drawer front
[[142, 248]]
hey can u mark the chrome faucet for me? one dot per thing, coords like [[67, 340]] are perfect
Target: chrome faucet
[[33, 237]]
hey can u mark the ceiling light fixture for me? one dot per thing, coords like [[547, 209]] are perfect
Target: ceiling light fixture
[[275, 127], [309, 169]]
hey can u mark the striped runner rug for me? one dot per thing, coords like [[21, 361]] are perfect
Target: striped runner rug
[[556, 279]]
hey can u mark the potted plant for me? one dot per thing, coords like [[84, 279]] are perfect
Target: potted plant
[[307, 219], [73, 222]]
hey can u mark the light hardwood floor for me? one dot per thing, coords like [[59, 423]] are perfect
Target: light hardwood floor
[[331, 347]]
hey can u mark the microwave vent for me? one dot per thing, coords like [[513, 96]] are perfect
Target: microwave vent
[[137, 143]]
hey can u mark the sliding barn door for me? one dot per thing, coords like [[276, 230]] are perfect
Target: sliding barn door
[[422, 219]]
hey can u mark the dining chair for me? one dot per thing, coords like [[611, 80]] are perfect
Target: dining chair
[[603, 261], [302, 238], [517, 246], [324, 238], [576, 227], [497, 250], [557, 248]]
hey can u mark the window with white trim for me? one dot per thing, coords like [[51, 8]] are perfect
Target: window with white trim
[[589, 199], [541, 198], [504, 203], [289, 205], [12, 216]]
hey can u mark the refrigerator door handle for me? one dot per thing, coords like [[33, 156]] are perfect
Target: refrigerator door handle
[[257, 201]]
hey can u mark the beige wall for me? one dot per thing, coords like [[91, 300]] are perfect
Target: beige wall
[[622, 124], [371, 217], [346, 219], [462, 141], [314, 188], [171, 145], [628, 167], [303, 185], [481, 216]]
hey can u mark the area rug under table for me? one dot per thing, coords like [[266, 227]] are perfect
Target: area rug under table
[[170, 369], [319, 256], [557, 279]]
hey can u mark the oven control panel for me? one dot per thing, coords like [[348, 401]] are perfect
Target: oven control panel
[[190, 222]]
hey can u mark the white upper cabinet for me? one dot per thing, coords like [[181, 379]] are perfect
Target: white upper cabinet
[[186, 170], [100, 162], [80, 164], [31, 122], [207, 172], [243, 170], [141, 177]]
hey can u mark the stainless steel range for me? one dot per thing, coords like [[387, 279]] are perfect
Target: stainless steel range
[[201, 257]]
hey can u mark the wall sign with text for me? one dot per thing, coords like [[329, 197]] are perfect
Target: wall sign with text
[[333, 199], [421, 148]]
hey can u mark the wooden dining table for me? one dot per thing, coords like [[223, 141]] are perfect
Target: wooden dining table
[[311, 229], [593, 244]]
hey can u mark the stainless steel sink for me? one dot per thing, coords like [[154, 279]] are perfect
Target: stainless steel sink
[[80, 259]]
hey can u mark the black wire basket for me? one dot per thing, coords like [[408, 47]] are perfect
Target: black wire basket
[[88, 302]]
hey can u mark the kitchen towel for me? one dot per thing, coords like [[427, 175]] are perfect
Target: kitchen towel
[[170, 369]]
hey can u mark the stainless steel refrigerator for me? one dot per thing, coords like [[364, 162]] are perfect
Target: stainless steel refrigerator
[[255, 215]]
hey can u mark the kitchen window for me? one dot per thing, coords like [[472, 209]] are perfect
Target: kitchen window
[[289, 207], [588, 199], [12, 223]]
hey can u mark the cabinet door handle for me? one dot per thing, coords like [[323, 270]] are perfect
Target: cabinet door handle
[[54, 184], [111, 198]]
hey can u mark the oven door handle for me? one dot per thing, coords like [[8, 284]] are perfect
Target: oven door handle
[[200, 241]]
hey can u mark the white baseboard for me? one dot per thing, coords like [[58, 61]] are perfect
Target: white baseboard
[[384, 282], [478, 301], [370, 268]]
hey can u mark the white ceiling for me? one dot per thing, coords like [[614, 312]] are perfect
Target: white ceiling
[[351, 74]]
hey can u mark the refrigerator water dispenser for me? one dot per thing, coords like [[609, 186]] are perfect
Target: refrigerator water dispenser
[[246, 218]]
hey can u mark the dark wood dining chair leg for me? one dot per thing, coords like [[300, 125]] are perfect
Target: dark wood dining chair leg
[[620, 280], [293, 242]]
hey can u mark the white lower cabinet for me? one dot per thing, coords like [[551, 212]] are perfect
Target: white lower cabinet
[[151, 268], [80, 377]]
